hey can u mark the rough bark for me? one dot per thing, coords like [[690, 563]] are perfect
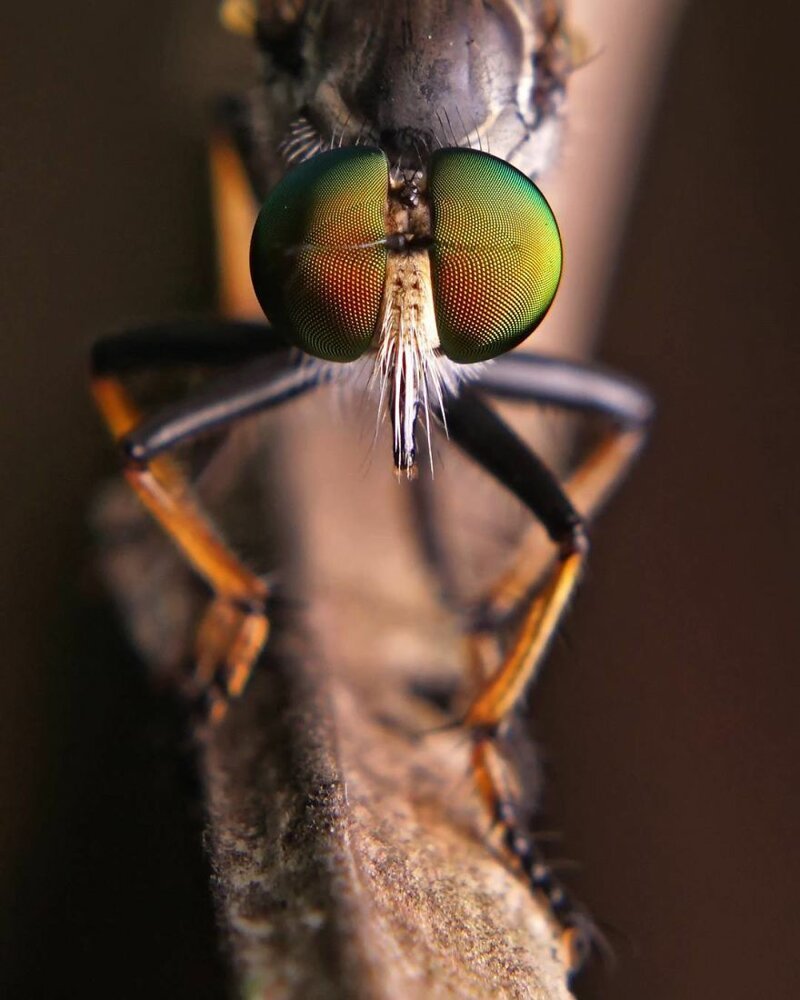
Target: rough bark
[[351, 861]]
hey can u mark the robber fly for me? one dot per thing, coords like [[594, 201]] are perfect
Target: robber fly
[[391, 243]]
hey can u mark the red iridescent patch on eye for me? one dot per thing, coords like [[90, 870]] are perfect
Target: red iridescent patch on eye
[[317, 258]]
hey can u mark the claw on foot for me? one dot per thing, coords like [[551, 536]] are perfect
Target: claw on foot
[[229, 640], [498, 787]]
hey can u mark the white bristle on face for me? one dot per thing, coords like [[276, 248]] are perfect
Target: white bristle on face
[[411, 374]]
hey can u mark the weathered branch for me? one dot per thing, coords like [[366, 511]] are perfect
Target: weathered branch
[[350, 859]]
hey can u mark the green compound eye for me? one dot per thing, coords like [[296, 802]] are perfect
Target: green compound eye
[[316, 258], [496, 254]]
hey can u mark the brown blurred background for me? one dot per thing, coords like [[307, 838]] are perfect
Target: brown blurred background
[[672, 760]]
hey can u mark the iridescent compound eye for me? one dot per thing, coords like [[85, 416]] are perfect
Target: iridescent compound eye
[[316, 258], [496, 254]]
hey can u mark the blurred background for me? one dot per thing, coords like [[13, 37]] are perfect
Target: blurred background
[[669, 715]]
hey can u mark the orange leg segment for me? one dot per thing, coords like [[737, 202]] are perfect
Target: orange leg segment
[[235, 627], [498, 695], [588, 488], [497, 698]]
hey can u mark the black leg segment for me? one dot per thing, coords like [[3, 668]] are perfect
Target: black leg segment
[[259, 385], [568, 384], [217, 343], [479, 431]]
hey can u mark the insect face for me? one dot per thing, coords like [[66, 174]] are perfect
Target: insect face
[[461, 263], [325, 234]]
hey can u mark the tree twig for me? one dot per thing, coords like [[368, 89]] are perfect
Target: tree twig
[[349, 859]]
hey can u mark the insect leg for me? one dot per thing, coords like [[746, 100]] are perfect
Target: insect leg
[[244, 164], [479, 431], [212, 344], [235, 627], [545, 380], [237, 189], [540, 378], [586, 389]]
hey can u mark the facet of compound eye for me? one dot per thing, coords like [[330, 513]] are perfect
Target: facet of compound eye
[[496, 254], [317, 257]]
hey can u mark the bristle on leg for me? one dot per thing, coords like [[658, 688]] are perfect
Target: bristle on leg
[[579, 934]]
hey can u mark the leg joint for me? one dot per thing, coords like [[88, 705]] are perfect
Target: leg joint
[[134, 453], [573, 539], [484, 732]]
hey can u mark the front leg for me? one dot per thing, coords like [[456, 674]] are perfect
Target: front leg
[[236, 626], [479, 431], [586, 389]]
